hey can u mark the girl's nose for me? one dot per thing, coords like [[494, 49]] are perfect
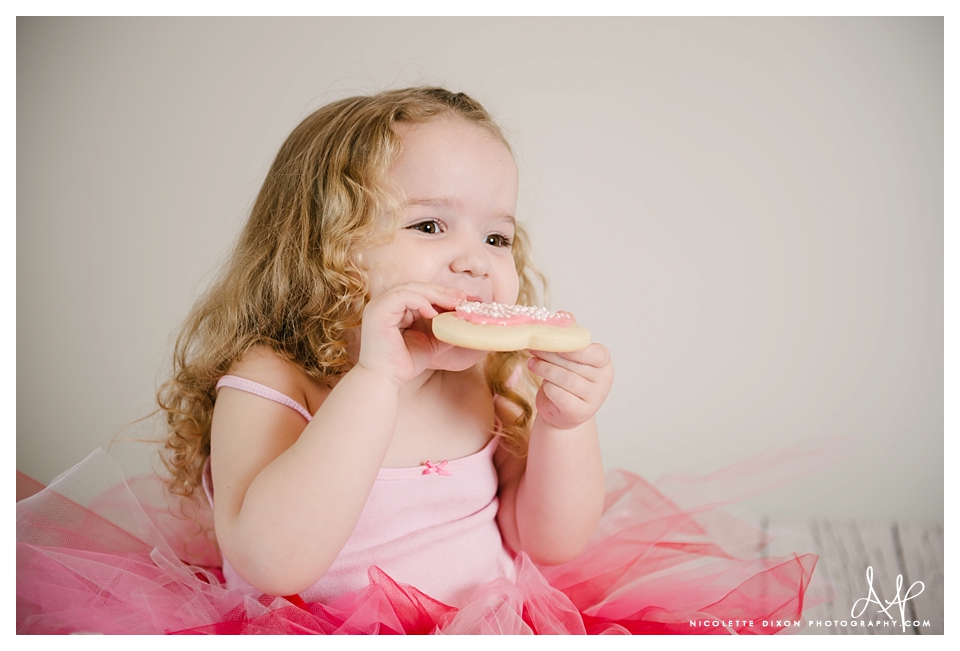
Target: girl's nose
[[471, 259]]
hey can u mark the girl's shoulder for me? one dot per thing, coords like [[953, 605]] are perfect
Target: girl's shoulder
[[265, 366]]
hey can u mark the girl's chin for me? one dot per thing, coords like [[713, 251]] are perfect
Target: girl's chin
[[457, 359]]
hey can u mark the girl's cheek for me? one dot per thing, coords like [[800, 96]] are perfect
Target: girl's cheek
[[510, 285], [515, 291]]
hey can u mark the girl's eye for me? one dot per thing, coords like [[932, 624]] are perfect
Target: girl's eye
[[430, 227], [498, 240]]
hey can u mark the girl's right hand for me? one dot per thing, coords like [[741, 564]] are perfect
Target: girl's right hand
[[395, 339]]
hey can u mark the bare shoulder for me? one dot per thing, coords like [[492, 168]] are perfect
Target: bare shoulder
[[248, 432], [262, 364]]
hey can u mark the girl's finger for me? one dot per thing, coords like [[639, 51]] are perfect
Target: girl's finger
[[439, 295], [422, 298], [562, 362], [562, 399], [594, 356], [586, 371], [444, 290], [568, 380], [405, 306]]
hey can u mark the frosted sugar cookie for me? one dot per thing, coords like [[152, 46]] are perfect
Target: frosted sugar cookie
[[495, 326]]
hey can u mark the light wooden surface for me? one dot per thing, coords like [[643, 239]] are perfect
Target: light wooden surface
[[846, 550]]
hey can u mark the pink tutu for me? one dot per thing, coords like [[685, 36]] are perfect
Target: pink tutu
[[96, 553]]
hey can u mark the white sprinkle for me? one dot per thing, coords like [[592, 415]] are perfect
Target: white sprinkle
[[501, 310]]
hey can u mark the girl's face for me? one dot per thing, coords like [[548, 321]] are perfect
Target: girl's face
[[458, 187]]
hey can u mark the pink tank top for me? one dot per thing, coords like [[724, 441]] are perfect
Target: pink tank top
[[432, 526]]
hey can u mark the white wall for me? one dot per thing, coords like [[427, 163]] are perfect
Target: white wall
[[748, 212]]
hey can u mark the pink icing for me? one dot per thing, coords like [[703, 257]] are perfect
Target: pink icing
[[501, 314]]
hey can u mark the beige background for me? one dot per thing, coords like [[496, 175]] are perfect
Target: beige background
[[748, 212]]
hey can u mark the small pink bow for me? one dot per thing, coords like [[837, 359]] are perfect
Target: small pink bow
[[439, 468]]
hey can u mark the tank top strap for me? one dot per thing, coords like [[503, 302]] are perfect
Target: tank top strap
[[235, 382]]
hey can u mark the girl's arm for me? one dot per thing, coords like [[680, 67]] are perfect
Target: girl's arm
[[551, 501], [288, 495]]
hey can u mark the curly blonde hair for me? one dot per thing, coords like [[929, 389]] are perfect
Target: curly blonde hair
[[294, 282]]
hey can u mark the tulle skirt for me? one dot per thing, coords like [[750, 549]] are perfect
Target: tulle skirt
[[97, 553]]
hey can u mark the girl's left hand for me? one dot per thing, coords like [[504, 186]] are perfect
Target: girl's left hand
[[574, 384]]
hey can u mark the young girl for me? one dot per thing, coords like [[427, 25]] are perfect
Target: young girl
[[333, 393], [366, 477]]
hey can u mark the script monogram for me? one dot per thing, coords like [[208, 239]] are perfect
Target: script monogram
[[873, 598]]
